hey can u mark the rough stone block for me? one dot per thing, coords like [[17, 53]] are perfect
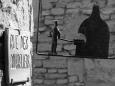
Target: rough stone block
[[39, 57], [72, 11], [102, 3], [111, 2], [108, 10], [52, 70], [86, 3], [44, 47], [62, 70], [62, 81], [55, 76], [73, 79], [48, 21], [111, 25], [69, 47], [76, 67], [52, 0], [55, 63], [49, 82], [38, 81], [45, 12], [86, 11], [37, 63], [40, 70], [41, 29], [111, 51], [60, 4], [46, 4], [66, 1], [57, 11], [74, 5], [113, 16], [105, 17]]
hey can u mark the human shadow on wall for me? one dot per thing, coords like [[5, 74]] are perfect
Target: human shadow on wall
[[97, 36]]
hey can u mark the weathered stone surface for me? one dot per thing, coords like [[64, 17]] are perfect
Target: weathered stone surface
[[55, 76], [37, 63], [62, 70], [111, 2], [105, 17], [55, 63], [62, 81], [86, 3], [66, 1], [48, 21], [76, 67], [49, 82], [44, 47], [86, 11], [113, 16], [69, 47], [57, 11], [46, 4], [60, 4], [45, 12], [108, 10], [72, 11], [52, 70], [72, 24], [51, 0], [74, 5], [42, 28], [39, 57], [73, 79], [102, 3], [40, 70], [38, 81], [111, 25]]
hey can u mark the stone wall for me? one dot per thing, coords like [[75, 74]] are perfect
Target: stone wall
[[64, 71], [14, 14], [70, 14], [68, 71]]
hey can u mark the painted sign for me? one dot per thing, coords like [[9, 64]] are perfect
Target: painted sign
[[19, 58]]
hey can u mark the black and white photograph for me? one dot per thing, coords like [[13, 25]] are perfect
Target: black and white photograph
[[57, 42]]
